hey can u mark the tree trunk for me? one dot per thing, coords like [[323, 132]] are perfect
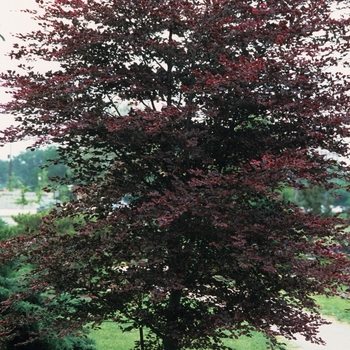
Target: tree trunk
[[171, 341], [142, 342], [170, 344]]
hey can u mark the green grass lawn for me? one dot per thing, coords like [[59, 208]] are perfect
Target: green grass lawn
[[110, 337], [335, 307]]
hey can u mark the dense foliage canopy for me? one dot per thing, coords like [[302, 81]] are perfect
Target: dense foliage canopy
[[183, 121]]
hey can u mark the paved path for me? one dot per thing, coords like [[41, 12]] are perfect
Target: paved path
[[336, 335]]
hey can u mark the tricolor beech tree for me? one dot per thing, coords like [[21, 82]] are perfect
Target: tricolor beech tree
[[201, 112]]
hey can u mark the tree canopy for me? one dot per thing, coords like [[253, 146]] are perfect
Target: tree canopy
[[201, 113]]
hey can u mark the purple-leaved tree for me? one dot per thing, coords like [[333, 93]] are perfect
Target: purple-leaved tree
[[182, 122]]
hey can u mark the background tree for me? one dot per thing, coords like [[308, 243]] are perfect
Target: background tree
[[4, 172], [228, 103], [316, 200], [29, 170], [27, 167], [22, 200]]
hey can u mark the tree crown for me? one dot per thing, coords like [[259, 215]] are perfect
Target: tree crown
[[201, 112]]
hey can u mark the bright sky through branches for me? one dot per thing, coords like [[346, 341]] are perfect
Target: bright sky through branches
[[13, 20]]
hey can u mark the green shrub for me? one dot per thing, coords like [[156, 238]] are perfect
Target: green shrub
[[10, 283]]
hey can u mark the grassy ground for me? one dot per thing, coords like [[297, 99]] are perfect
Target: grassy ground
[[335, 307], [109, 337]]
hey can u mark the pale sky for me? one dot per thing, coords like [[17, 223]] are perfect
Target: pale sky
[[12, 21]]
